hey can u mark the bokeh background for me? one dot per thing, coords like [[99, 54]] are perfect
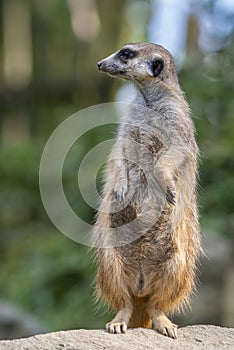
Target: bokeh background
[[48, 55]]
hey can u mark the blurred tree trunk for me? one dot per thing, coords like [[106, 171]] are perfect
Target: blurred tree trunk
[[111, 17], [92, 87], [193, 51]]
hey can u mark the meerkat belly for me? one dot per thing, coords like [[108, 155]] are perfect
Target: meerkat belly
[[141, 282], [145, 267]]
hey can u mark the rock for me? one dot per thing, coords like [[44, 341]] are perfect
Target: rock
[[191, 337]]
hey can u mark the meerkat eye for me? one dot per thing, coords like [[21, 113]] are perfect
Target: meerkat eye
[[126, 54]]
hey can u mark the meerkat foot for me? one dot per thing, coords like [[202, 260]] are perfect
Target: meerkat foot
[[119, 323], [163, 325], [118, 327]]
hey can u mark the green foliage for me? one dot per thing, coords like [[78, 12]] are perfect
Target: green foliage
[[210, 92], [45, 272]]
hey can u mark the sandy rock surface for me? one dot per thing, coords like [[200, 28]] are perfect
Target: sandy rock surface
[[189, 338]]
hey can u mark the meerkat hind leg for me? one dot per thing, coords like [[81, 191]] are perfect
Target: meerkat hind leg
[[120, 322], [163, 325]]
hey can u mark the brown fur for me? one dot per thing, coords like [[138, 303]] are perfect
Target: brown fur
[[147, 226]]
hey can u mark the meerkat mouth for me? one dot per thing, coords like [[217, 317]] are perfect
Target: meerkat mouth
[[112, 71], [117, 73]]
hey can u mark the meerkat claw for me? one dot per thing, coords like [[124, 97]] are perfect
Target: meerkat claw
[[172, 332], [164, 326], [120, 191], [117, 328]]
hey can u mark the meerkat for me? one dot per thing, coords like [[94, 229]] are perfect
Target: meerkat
[[147, 230]]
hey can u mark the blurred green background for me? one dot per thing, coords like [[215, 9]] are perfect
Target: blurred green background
[[48, 55]]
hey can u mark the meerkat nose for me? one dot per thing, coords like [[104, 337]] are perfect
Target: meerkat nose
[[99, 64]]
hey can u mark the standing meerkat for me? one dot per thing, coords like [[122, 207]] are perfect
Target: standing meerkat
[[147, 229]]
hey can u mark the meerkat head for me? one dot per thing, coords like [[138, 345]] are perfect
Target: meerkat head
[[143, 63]]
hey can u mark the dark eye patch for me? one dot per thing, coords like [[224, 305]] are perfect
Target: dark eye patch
[[126, 54]]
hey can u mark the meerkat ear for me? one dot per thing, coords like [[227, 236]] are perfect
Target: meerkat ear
[[156, 66]]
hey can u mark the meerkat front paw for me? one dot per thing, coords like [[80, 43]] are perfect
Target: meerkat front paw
[[121, 189], [171, 196], [117, 327]]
